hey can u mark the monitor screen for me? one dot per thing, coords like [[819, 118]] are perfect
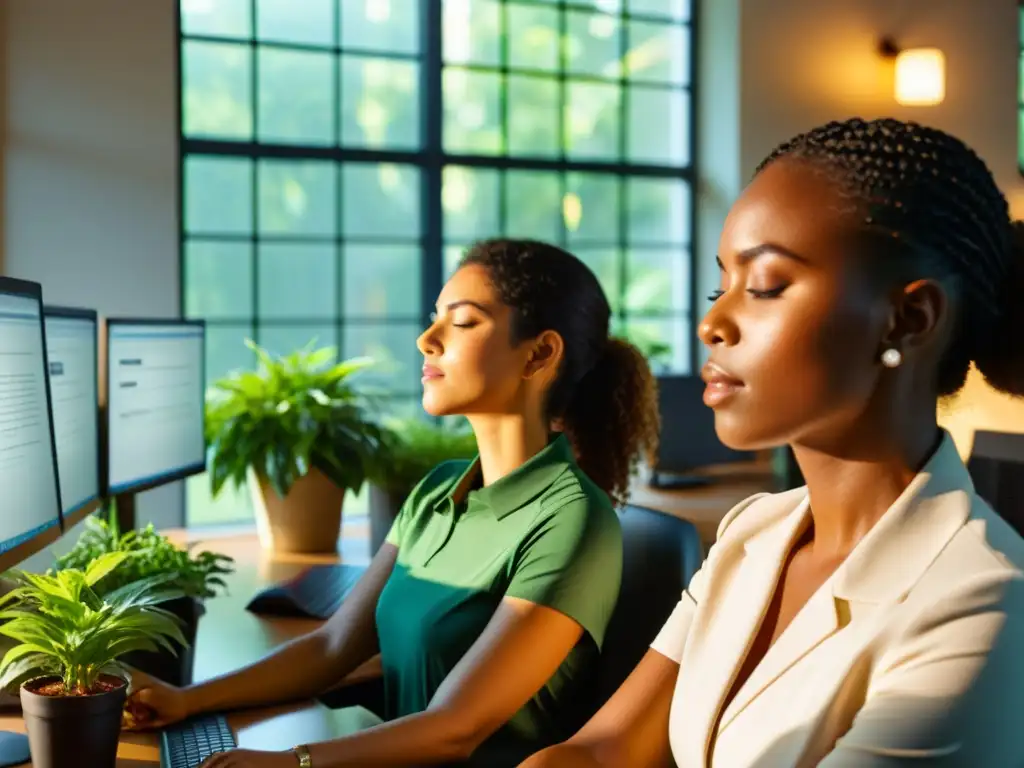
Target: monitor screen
[[71, 354], [155, 392], [28, 464]]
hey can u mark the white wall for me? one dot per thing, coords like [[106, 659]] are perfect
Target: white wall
[[89, 162]]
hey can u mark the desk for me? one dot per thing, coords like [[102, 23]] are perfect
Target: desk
[[230, 637], [706, 505]]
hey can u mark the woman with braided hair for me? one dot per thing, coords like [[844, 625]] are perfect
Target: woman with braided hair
[[874, 617]]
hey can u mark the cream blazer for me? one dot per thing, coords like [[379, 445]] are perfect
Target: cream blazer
[[911, 654]]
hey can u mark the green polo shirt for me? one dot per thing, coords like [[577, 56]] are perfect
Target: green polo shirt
[[544, 533]]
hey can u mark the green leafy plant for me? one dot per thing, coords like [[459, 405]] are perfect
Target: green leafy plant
[[65, 629], [412, 447], [296, 413], [148, 554]]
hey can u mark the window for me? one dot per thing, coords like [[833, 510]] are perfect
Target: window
[[339, 155]]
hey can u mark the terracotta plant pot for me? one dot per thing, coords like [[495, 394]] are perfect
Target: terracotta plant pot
[[162, 664], [307, 520], [66, 731], [384, 507]]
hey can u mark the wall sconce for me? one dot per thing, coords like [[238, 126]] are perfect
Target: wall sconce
[[920, 74]]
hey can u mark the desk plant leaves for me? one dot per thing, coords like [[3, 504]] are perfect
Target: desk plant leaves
[[297, 412], [65, 628], [147, 554]]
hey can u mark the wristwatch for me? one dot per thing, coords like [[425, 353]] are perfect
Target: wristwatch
[[302, 752]]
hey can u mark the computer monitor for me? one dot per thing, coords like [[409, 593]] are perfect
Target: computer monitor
[[31, 516], [996, 466], [154, 394], [688, 439], [71, 352]]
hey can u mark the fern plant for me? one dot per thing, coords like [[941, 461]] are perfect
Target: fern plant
[[148, 554], [64, 629], [296, 413]]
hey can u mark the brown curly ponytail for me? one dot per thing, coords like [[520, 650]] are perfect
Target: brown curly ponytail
[[605, 395]]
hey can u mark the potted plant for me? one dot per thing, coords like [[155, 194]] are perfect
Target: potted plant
[[300, 434], [410, 449], [66, 662], [148, 555]]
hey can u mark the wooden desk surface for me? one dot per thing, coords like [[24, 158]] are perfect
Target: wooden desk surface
[[230, 637]]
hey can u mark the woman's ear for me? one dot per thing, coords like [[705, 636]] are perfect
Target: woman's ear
[[545, 356], [919, 312]]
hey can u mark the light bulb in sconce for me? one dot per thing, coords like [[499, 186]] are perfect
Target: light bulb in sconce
[[920, 75]]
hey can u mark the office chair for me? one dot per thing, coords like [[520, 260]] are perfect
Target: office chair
[[996, 466]]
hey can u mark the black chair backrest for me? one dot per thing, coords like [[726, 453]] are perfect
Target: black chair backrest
[[996, 466], [660, 555]]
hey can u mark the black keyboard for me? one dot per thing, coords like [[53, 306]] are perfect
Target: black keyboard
[[187, 744]]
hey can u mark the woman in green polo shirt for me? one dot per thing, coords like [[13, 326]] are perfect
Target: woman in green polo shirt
[[489, 600]]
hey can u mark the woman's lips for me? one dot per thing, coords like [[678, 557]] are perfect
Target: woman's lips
[[721, 385]]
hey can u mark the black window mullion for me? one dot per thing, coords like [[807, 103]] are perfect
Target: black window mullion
[[339, 192], [432, 157], [255, 196]]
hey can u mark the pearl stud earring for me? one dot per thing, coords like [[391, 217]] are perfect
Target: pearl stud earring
[[891, 358]]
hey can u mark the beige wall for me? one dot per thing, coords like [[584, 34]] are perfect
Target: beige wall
[[804, 62], [89, 162]]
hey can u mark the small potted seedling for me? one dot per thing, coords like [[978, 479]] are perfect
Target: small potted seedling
[[66, 662], [196, 575]]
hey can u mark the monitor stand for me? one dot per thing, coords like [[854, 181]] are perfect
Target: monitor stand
[[13, 749], [664, 482], [124, 511]]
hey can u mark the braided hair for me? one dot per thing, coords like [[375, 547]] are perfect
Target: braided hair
[[931, 203]]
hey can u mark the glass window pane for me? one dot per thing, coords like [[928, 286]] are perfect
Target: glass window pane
[[1020, 81], [452, 258], [226, 351], [216, 90], [382, 281], [1020, 139], [381, 200], [472, 32], [218, 195], [231, 505], [296, 97], [658, 281], [592, 121], [665, 342], [297, 280], [380, 103], [216, 18], [472, 114], [658, 53], [672, 9], [533, 104], [392, 26], [604, 262], [310, 22], [533, 36], [298, 198], [533, 202], [659, 211], [592, 44], [666, 140], [281, 340], [597, 200], [218, 279], [393, 345], [469, 197]]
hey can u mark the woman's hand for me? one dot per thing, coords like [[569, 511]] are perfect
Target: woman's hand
[[250, 758], [154, 704]]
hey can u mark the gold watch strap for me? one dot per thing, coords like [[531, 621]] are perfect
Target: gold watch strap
[[305, 759]]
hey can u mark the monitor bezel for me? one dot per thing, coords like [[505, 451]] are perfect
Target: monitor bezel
[[78, 313], [183, 472], [24, 550]]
